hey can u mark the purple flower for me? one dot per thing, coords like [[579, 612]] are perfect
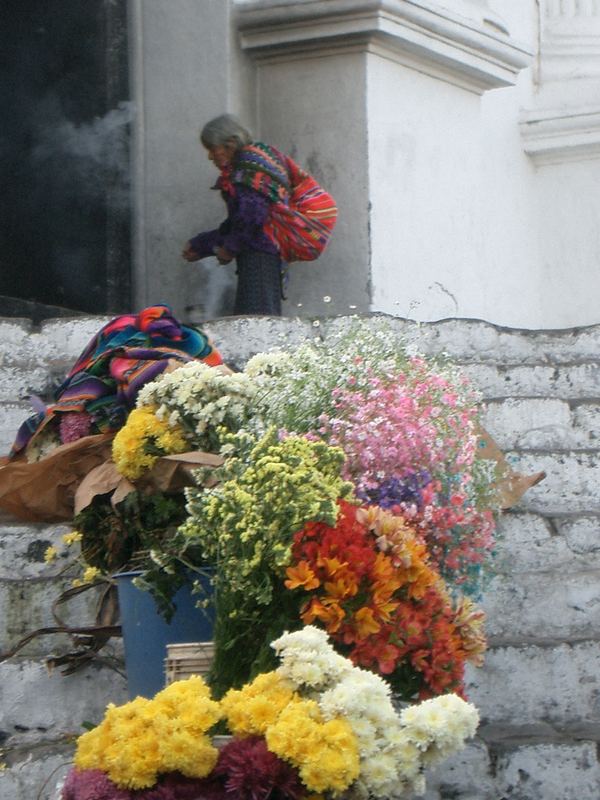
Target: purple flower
[[251, 772], [394, 491], [74, 425], [92, 784]]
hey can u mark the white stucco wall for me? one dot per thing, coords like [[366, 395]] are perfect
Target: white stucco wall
[[437, 220], [186, 68], [454, 226], [464, 222], [442, 210], [315, 110]]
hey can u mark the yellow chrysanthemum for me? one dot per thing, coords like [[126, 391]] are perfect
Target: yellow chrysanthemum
[[72, 537], [90, 574], [144, 738], [253, 708], [50, 554], [142, 439], [325, 753]]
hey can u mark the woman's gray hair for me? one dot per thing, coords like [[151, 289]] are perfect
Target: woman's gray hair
[[224, 130]]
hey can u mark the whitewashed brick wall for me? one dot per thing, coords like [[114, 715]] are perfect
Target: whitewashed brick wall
[[539, 692]]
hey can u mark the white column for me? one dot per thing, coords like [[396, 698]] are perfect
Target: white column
[[185, 69], [382, 100]]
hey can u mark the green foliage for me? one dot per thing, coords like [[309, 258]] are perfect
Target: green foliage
[[267, 491], [139, 533]]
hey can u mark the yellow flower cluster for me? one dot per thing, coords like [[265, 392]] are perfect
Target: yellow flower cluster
[[325, 752], [50, 554], [72, 537], [143, 439], [257, 705], [142, 739]]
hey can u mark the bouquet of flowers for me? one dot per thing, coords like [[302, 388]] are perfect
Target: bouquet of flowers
[[316, 726], [292, 546], [350, 495], [409, 428], [189, 409]]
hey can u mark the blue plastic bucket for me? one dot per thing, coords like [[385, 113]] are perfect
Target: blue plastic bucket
[[146, 633]]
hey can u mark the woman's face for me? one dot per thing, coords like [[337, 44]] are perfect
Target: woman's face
[[221, 155]]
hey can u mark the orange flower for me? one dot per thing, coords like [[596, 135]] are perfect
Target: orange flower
[[301, 575], [385, 574], [329, 612], [384, 606], [332, 565], [365, 622], [345, 586]]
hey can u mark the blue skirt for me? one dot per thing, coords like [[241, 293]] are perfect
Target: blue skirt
[[259, 284]]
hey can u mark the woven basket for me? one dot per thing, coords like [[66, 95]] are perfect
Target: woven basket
[[185, 660]]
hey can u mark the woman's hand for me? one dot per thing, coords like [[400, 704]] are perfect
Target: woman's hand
[[223, 256], [189, 254]]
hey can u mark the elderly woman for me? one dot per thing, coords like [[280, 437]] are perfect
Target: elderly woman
[[252, 177]]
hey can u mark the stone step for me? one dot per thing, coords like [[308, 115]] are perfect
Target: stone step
[[565, 381], [571, 483], [37, 773], [519, 770], [58, 338], [538, 692], [529, 542], [481, 342], [541, 606], [553, 691], [467, 341], [12, 415], [26, 605], [543, 424], [38, 735], [69, 701], [22, 549]]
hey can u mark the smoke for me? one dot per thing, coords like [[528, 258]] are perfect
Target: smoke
[[213, 286], [93, 156]]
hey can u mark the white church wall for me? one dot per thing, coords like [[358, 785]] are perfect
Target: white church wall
[[428, 221], [464, 221], [314, 109], [456, 198], [567, 202], [455, 229], [186, 69]]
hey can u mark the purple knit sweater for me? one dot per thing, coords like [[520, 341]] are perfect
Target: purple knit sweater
[[242, 230]]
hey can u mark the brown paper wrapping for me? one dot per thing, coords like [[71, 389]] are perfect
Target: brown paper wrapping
[[511, 485], [169, 474], [44, 491], [63, 483]]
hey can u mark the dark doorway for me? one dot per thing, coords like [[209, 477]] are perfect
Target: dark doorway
[[65, 224]]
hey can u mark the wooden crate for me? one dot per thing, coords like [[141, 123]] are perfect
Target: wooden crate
[[185, 660]]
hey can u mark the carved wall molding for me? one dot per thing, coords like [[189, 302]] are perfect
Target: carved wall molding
[[563, 123], [552, 137], [470, 49], [570, 39]]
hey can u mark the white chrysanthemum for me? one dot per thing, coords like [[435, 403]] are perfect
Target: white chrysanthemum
[[365, 733], [442, 722], [407, 756], [379, 771], [308, 651], [360, 693]]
